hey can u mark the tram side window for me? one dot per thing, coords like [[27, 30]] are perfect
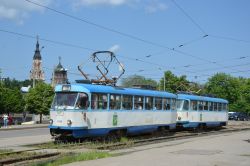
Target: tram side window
[[186, 105], [99, 101], [158, 103], [215, 107], [166, 104], [200, 105], [224, 106], [173, 105], [115, 102], [127, 102], [210, 106], [205, 105], [148, 103], [194, 105], [219, 106], [138, 102], [82, 102]]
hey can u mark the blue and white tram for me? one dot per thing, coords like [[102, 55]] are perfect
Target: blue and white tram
[[200, 111], [88, 110]]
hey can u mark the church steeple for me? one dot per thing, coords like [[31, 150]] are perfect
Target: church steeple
[[37, 54], [59, 75], [36, 72]]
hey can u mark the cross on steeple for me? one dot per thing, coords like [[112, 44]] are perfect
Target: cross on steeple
[[60, 58]]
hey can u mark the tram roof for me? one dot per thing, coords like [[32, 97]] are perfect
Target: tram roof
[[201, 98], [93, 88]]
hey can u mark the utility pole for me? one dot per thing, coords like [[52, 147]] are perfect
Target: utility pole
[[34, 82]]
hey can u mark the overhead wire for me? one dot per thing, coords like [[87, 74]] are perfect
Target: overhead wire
[[116, 31], [159, 66], [189, 17], [202, 29], [212, 69], [192, 41], [228, 38], [203, 75], [71, 45], [197, 25], [47, 40], [96, 25], [132, 36]]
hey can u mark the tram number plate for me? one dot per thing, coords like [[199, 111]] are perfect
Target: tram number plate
[[59, 121]]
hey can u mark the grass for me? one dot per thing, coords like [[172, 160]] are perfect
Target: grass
[[52, 145], [66, 159], [5, 151], [124, 140], [15, 155], [90, 145]]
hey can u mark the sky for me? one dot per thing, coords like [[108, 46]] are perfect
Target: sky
[[196, 38]]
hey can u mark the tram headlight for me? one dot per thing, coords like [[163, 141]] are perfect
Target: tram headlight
[[51, 121], [179, 118], [69, 122]]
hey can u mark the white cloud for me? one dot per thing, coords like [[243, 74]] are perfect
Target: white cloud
[[150, 6], [18, 10], [100, 2], [115, 48], [155, 6]]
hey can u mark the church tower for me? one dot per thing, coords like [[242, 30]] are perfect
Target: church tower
[[59, 75], [36, 72]]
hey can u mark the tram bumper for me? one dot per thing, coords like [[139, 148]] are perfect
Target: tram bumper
[[76, 132]]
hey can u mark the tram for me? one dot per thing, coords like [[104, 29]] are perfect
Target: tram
[[83, 110], [201, 111]]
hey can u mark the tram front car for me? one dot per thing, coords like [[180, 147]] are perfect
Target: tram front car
[[67, 114]]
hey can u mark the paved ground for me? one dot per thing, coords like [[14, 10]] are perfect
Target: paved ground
[[23, 134], [219, 150], [21, 127]]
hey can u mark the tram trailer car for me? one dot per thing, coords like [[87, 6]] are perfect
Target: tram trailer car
[[201, 111], [88, 110]]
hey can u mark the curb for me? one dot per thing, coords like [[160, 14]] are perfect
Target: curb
[[24, 127]]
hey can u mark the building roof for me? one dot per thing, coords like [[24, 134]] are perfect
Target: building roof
[[37, 55], [59, 67]]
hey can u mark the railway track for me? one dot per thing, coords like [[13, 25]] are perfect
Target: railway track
[[34, 154], [13, 158], [176, 136]]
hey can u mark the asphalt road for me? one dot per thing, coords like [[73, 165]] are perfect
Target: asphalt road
[[23, 137], [228, 149]]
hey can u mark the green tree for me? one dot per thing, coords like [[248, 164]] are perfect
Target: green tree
[[15, 84], [235, 90], [224, 86], [137, 80], [1, 99], [244, 98], [11, 100], [39, 99], [174, 83]]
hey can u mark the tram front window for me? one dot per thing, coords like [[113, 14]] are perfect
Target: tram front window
[[64, 100], [182, 105]]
